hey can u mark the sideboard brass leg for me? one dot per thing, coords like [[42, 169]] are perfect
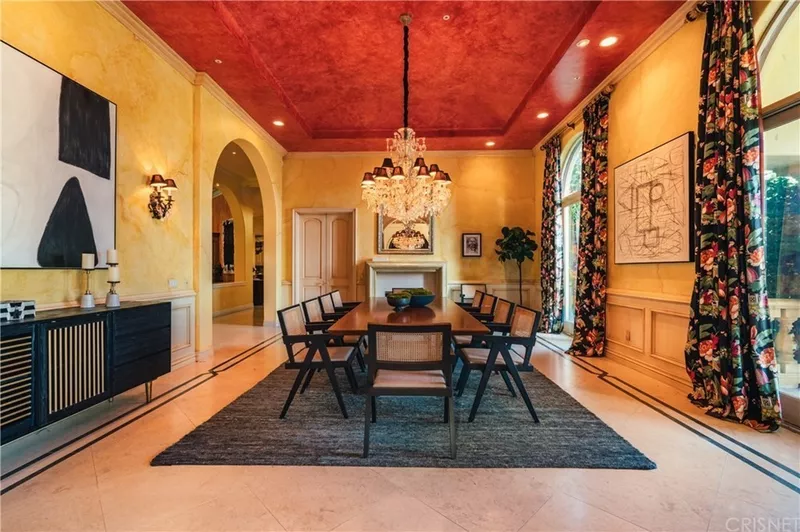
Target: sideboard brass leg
[[148, 391]]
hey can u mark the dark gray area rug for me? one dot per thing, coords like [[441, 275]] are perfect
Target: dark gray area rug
[[409, 432]]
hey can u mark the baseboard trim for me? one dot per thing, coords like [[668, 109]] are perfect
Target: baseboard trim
[[204, 355], [647, 369], [183, 358], [231, 310]]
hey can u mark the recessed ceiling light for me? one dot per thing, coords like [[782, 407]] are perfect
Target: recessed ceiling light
[[489, 143], [233, 152], [216, 184], [218, 61], [608, 41], [543, 114], [583, 43], [278, 123], [446, 17]]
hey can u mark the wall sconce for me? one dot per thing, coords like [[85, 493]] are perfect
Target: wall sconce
[[160, 204]]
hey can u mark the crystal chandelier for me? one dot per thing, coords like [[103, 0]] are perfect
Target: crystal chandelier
[[404, 187]]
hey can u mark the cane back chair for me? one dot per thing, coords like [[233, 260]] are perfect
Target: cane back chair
[[405, 361]]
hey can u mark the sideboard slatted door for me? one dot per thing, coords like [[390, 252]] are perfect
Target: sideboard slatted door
[[16, 382], [77, 365]]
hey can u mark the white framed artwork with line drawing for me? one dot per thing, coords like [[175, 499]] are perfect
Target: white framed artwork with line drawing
[[653, 207]]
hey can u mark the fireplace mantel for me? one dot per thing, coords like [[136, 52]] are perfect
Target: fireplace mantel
[[375, 269]]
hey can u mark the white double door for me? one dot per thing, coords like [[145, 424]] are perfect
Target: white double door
[[324, 251]]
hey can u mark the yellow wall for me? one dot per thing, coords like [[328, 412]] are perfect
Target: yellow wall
[[167, 124], [154, 120], [654, 103], [647, 307], [489, 191]]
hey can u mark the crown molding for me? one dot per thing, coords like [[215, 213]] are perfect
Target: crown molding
[[202, 79], [428, 154], [143, 33], [669, 28]]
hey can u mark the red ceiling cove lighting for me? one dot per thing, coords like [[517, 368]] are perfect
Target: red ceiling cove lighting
[[319, 67]]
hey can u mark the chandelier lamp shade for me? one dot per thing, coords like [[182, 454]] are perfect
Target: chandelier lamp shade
[[404, 186]]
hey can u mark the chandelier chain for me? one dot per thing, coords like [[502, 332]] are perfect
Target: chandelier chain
[[404, 187], [405, 76]]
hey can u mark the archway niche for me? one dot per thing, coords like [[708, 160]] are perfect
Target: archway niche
[[237, 263]]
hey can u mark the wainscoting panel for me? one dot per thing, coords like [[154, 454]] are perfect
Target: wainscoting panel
[[625, 325], [647, 332], [182, 331]]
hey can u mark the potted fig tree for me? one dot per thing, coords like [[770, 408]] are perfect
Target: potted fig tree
[[516, 245]]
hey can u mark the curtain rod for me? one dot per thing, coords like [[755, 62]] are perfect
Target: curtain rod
[[572, 125]]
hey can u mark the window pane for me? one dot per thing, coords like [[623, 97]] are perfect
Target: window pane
[[780, 73], [572, 215], [782, 232], [571, 169]]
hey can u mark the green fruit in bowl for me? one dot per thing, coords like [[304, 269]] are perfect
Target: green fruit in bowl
[[420, 292]]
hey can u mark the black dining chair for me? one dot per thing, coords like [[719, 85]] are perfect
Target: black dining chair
[[340, 305], [501, 316], [475, 304], [311, 352], [329, 312], [508, 354], [486, 309], [316, 318], [409, 361], [468, 291]]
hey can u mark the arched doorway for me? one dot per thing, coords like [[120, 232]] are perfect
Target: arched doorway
[[237, 235]]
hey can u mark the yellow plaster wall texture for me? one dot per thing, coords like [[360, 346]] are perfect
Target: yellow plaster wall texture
[[154, 135], [655, 102], [166, 125], [489, 191]]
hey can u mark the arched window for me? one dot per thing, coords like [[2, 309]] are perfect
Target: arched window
[[571, 212], [779, 55]]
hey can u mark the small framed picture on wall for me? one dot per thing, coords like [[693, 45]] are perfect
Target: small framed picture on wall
[[471, 245]]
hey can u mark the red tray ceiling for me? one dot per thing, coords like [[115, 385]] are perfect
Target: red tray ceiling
[[332, 71]]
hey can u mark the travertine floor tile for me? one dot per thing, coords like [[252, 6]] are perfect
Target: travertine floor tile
[[317, 498], [401, 513], [111, 486], [565, 513], [475, 499]]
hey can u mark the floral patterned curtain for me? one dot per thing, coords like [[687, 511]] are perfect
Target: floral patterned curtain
[[730, 356], [590, 291], [552, 243]]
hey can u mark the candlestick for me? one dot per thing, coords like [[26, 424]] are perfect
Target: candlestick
[[113, 273], [87, 264], [112, 298], [87, 261]]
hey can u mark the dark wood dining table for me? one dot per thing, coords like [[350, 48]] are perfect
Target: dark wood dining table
[[377, 310]]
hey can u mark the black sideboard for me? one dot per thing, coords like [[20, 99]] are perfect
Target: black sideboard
[[63, 361]]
